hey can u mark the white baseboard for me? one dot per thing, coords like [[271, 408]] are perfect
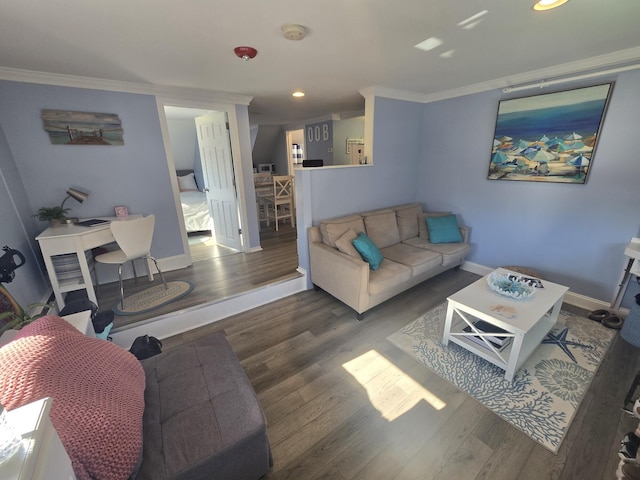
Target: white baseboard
[[575, 299], [181, 321]]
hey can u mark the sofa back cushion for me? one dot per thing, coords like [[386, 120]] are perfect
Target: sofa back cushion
[[407, 217], [422, 224], [382, 227], [332, 230]]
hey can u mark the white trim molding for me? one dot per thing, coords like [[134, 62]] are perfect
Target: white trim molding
[[608, 61], [575, 299], [28, 76]]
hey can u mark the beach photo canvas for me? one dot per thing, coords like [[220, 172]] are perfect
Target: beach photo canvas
[[550, 137], [82, 128]]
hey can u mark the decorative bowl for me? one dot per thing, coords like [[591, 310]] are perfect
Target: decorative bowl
[[515, 288]]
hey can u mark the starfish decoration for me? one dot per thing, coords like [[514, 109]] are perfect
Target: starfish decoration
[[560, 339]]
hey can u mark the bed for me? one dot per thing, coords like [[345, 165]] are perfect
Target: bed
[[194, 203]]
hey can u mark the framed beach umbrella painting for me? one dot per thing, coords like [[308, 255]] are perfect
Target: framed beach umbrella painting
[[550, 137]]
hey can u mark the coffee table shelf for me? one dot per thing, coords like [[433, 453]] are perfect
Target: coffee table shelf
[[527, 321]]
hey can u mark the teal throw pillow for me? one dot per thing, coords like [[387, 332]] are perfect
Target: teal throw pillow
[[443, 229], [368, 250]]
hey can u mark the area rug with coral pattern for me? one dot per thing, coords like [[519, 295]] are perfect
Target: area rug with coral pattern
[[547, 390]]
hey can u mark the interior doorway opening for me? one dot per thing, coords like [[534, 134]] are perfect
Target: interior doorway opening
[[203, 161]]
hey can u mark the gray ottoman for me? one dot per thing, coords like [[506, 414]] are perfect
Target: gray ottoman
[[202, 419]]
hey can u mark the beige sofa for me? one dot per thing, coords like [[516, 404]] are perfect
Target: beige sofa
[[402, 237]]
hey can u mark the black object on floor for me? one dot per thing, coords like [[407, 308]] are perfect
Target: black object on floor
[[146, 346]]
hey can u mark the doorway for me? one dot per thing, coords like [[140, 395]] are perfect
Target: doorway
[[295, 148], [199, 146]]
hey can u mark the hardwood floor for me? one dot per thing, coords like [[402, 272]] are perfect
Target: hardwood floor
[[343, 403], [217, 273]]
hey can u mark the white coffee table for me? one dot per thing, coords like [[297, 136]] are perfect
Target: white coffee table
[[527, 320]]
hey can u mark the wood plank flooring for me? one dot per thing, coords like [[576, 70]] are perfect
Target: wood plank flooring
[[217, 274], [343, 403]]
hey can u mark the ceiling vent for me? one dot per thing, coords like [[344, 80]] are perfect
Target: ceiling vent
[[292, 31]]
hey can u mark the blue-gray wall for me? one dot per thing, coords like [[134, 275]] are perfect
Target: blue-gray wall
[[18, 231], [572, 234], [134, 174], [326, 193], [319, 141], [438, 154]]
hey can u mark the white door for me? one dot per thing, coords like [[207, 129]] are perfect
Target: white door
[[219, 177]]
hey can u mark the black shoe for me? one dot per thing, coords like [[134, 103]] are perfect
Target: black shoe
[[629, 446]]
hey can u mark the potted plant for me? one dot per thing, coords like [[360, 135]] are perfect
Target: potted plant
[[53, 215], [24, 316]]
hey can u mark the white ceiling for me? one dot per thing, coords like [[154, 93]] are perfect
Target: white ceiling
[[351, 45]]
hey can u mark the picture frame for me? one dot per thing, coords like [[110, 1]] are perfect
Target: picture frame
[[353, 141], [550, 137], [82, 128], [121, 211]]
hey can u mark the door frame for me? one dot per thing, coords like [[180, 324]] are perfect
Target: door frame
[[230, 110]]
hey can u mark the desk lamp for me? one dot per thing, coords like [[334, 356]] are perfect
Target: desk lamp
[[77, 195]]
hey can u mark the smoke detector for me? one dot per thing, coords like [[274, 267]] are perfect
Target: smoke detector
[[245, 53], [292, 31]]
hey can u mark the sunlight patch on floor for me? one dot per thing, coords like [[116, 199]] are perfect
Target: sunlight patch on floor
[[388, 386], [202, 240]]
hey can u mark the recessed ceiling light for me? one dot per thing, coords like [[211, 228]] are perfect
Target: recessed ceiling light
[[448, 53], [298, 93], [542, 5], [429, 44]]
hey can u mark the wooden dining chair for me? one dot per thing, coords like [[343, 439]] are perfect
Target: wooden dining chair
[[283, 202]]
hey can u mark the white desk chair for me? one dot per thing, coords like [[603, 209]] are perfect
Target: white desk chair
[[134, 241]]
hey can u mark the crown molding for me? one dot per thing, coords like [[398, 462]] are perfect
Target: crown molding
[[393, 93], [29, 76], [618, 58]]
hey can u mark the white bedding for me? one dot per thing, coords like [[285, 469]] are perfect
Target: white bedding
[[195, 211]]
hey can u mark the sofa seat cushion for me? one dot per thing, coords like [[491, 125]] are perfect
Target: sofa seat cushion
[[388, 276], [332, 230], [452, 253], [382, 227], [419, 259], [202, 418]]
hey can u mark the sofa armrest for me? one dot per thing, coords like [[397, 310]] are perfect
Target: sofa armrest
[[464, 231], [343, 276]]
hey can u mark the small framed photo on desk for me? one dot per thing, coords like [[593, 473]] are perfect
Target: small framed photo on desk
[[121, 211]]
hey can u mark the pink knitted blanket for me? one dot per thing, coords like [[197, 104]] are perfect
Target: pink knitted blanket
[[97, 390]]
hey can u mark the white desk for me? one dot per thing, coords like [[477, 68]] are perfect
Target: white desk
[[74, 239], [42, 455]]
